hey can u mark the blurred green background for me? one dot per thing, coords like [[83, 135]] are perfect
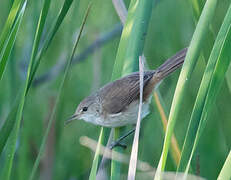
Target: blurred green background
[[170, 29]]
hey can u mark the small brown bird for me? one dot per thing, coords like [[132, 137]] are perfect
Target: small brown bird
[[116, 104]]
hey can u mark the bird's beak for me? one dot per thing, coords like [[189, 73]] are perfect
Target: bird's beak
[[70, 119]]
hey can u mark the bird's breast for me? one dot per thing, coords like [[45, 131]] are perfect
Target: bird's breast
[[128, 116]]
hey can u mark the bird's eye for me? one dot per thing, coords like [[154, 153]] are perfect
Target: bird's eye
[[84, 108]]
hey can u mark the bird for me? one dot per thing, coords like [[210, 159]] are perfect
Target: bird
[[116, 103]]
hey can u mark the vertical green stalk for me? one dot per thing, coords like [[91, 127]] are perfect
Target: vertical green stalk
[[132, 39], [199, 106], [185, 75], [130, 48], [115, 165], [96, 157], [104, 132]]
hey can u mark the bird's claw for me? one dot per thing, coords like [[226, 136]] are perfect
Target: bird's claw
[[117, 143]]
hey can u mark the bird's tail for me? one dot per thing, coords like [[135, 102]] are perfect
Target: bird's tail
[[171, 64]]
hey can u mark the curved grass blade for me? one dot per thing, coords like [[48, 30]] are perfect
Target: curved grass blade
[[196, 6], [196, 116], [189, 64], [66, 6], [9, 23], [8, 42], [222, 56], [60, 92], [5, 129], [15, 132], [8, 125], [225, 171], [211, 34]]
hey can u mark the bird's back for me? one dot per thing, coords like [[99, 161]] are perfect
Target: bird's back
[[117, 95]]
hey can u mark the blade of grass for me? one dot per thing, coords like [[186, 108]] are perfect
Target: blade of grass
[[225, 171], [202, 93], [189, 64], [15, 132], [9, 123], [5, 54], [59, 120], [221, 55], [132, 39], [9, 23], [134, 153], [130, 48], [196, 7], [211, 35], [13, 34], [104, 132], [60, 92], [66, 6], [96, 157], [175, 150], [98, 43]]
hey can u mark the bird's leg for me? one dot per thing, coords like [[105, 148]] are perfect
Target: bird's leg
[[118, 141]]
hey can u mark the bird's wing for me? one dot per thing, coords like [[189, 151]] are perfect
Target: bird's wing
[[116, 96]]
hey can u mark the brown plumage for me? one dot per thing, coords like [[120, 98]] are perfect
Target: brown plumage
[[116, 96], [116, 104]]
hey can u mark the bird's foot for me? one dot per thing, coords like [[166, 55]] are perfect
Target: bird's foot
[[118, 141], [117, 144]]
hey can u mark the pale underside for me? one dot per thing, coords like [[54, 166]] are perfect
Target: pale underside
[[120, 119]]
